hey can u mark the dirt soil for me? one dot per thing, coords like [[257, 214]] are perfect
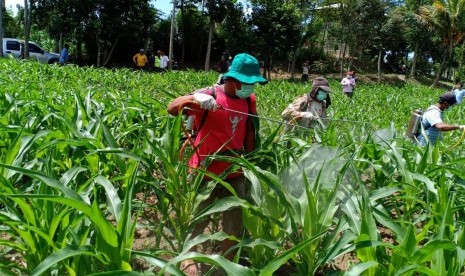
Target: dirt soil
[[145, 240], [369, 78]]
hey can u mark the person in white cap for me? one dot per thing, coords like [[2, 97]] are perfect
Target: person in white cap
[[140, 59], [221, 131]]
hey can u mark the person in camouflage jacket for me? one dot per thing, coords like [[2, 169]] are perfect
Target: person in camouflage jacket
[[310, 110]]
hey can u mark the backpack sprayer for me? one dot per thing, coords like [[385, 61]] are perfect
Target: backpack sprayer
[[414, 125]]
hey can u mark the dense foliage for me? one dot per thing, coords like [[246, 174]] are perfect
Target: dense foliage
[[362, 35]]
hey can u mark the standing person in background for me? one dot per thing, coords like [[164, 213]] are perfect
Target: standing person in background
[[150, 60], [140, 59], [64, 55], [459, 92], [305, 72], [403, 69], [156, 62], [228, 63], [222, 131], [348, 84], [432, 123], [308, 109], [163, 61], [223, 64], [458, 86]]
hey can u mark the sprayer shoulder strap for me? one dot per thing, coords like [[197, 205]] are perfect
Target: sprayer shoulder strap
[[205, 114], [430, 108]]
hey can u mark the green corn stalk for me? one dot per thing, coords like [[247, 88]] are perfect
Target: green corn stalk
[[112, 243]]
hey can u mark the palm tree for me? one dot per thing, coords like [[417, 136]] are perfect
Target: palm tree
[[416, 33], [448, 18]]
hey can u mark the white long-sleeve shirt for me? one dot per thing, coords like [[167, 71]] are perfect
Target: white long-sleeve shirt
[[348, 84], [164, 61]]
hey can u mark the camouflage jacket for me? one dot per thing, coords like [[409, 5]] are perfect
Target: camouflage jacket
[[292, 113]]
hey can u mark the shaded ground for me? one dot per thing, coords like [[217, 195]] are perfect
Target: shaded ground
[[390, 79]]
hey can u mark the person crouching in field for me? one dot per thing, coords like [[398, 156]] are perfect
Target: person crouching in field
[[432, 123], [222, 131], [308, 109]]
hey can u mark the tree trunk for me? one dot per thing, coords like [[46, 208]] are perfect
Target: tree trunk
[[442, 66], [111, 51], [170, 54], [27, 29], [462, 54], [293, 64], [416, 50], [266, 64], [380, 54], [60, 42], [323, 41], [79, 51], [268, 69], [199, 53], [183, 32], [56, 44], [209, 45], [99, 51], [1, 28], [342, 59]]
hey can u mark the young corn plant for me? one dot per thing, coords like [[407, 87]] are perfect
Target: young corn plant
[[316, 205], [179, 193], [60, 226]]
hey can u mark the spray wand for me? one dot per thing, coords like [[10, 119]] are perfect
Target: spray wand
[[282, 122]]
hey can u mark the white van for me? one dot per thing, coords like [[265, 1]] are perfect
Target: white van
[[14, 47]]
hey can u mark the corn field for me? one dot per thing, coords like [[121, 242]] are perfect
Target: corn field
[[89, 159]]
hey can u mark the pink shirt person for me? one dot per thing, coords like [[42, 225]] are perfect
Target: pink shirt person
[[348, 83]]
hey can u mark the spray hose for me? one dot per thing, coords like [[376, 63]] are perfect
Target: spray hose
[[186, 132], [460, 139], [283, 122], [291, 123], [294, 120]]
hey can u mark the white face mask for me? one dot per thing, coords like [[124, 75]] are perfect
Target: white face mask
[[245, 91], [349, 76]]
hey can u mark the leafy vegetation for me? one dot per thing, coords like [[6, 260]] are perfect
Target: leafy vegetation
[[417, 38], [82, 150]]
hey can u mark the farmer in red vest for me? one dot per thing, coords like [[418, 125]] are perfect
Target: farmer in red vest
[[222, 130]]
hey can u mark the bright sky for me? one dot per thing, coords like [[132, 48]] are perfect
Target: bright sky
[[164, 5]]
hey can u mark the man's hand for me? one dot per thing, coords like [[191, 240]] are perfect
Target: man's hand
[[205, 101], [308, 115]]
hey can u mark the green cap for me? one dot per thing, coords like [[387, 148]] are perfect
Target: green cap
[[246, 69]]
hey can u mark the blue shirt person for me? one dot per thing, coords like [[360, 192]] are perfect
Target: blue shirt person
[[459, 93], [64, 56], [432, 123]]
